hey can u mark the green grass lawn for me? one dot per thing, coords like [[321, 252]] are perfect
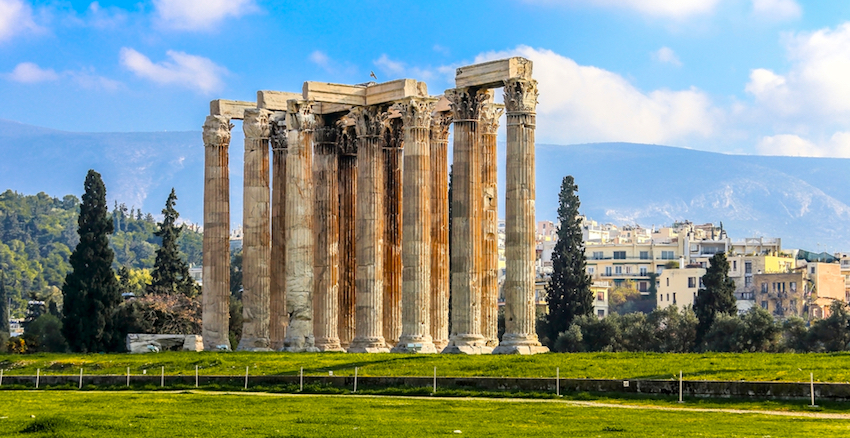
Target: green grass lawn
[[831, 367], [83, 414]]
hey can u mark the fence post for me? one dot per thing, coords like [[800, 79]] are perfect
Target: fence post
[[81, 378], [681, 400], [355, 379], [37, 377], [128, 376], [301, 381], [246, 377], [812, 388], [558, 381], [435, 380], [196, 376], [1, 377], [162, 378]]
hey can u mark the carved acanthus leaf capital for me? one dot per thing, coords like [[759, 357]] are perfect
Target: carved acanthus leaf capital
[[416, 112], [299, 116], [368, 121], [217, 130], [347, 141], [440, 124], [466, 102], [256, 123], [521, 95], [278, 134], [489, 120], [326, 133]]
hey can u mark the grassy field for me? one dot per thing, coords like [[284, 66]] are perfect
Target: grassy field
[[833, 367], [75, 414]]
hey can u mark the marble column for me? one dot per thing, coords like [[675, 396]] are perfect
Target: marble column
[[256, 244], [440, 123], [347, 180], [278, 318], [298, 216], [393, 194], [488, 126], [216, 245], [520, 333], [369, 243], [416, 228], [467, 203], [326, 260]]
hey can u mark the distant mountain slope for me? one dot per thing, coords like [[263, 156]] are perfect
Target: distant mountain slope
[[805, 201]]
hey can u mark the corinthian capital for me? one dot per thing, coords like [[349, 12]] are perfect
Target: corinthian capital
[[217, 130], [489, 121], [466, 102], [299, 116], [521, 95], [278, 134], [368, 121], [347, 141], [256, 123], [416, 112], [326, 132], [440, 123]]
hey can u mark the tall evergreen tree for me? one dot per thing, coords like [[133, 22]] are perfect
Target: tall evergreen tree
[[5, 330], [170, 272], [568, 291], [91, 295], [715, 297]]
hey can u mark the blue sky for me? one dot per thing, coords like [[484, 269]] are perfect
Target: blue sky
[[736, 76]]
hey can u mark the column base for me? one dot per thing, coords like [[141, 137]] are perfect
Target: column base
[[328, 344], [277, 345], [520, 349], [467, 349], [368, 345], [254, 344], [440, 345], [413, 344], [300, 345]]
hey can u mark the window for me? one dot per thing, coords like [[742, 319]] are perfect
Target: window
[[618, 270], [619, 255], [692, 282], [628, 269], [674, 297], [813, 269], [600, 313], [643, 286], [748, 281], [644, 255], [748, 267], [597, 255], [793, 305], [734, 265], [607, 271], [668, 297], [667, 255], [668, 282], [764, 287], [793, 286], [764, 304], [600, 296], [642, 271], [591, 270]]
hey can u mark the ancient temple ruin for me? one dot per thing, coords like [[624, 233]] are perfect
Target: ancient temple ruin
[[348, 249]]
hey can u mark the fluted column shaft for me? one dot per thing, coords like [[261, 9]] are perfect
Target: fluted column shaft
[[440, 230], [416, 229], [466, 224], [326, 261], [299, 227], [256, 244], [393, 192], [216, 244], [520, 332], [369, 219], [278, 318], [488, 126], [347, 180]]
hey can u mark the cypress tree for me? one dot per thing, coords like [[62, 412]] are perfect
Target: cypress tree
[[568, 292], [5, 329], [170, 272], [715, 297], [90, 292]]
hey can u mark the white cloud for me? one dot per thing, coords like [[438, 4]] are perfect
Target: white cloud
[[320, 58], [793, 145], [675, 9], [30, 73], [398, 69], [777, 9], [666, 55], [588, 104], [200, 14], [16, 17], [189, 71]]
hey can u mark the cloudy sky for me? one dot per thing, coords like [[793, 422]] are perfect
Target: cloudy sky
[[736, 76]]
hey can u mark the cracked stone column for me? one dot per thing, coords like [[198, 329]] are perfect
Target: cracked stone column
[[347, 178], [326, 261], [440, 123], [216, 245], [278, 318], [489, 125], [256, 232], [467, 203], [520, 333], [393, 192], [416, 243], [369, 276], [298, 215]]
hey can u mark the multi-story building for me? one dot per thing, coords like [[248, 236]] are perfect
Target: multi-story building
[[600, 291], [618, 263], [783, 294], [744, 268], [679, 287], [827, 285]]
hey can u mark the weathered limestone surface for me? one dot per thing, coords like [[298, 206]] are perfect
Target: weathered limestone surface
[[369, 277], [347, 178], [493, 74], [144, 343], [416, 228], [275, 100], [488, 126], [395, 90], [256, 245], [466, 223], [520, 334], [393, 192], [326, 260], [299, 227], [440, 123], [232, 109], [216, 245], [278, 318]]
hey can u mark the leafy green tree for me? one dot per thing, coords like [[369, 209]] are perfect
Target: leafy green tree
[[170, 272], [568, 291], [45, 335], [5, 329], [716, 297], [833, 332], [675, 331], [91, 295]]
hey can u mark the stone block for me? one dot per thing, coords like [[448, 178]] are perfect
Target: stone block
[[493, 74], [147, 343], [520, 349], [330, 108], [395, 90], [275, 100], [235, 109], [334, 93]]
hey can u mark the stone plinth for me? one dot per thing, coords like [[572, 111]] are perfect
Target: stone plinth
[[278, 318], [216, 244], [440, 124], [256, 245], [520, 333]]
